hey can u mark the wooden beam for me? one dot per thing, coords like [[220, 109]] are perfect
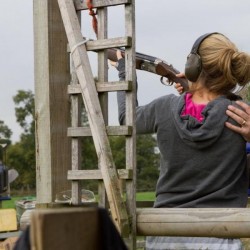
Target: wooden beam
[[76, 152], [103, 87], [195, 222], [131, 118], [92, 105], [96, 174], [111, 130], [51, 101], [102, 75], [95, 45], [113, 86], [81, 5]]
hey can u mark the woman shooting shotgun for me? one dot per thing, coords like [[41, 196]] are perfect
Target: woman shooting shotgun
[[198, 167]]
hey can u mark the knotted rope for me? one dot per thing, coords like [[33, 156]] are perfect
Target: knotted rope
[[93, 14]]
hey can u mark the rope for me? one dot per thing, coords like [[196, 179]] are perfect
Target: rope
[[77, 45], [93, 14]]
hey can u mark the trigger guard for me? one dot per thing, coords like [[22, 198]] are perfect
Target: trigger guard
[[166, 81]]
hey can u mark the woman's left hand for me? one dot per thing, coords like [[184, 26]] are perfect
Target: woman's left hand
[[119, 56]]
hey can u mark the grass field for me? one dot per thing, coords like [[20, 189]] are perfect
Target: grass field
[[141, 196], [145, 196], [12, 203]]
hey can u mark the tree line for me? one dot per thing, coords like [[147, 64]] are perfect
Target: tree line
[[21, 154]]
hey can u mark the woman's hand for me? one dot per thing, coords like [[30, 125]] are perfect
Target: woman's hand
[[242, 117], [178, 86]]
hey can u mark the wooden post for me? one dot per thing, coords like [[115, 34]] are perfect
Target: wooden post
[[76, 145], [52, 77], [130, 119], [65, 228], [103, 77]]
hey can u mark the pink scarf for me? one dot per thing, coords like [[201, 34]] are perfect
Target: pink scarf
[[192, 108]]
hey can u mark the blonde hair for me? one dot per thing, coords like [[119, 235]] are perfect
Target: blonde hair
[[223, 66]]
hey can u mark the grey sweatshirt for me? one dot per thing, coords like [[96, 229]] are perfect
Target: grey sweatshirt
[[203, 164]]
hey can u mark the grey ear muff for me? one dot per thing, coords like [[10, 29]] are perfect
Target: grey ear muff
[[193, 66]]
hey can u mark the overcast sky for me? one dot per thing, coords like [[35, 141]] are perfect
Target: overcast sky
[[164, 29]]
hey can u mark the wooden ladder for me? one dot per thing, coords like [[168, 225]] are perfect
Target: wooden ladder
[[95, 100]]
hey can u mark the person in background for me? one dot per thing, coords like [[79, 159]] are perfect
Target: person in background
[[191, 136]]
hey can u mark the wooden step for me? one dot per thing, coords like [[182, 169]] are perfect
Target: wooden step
[[101, 44], [81, 5], [103, 87], [111, 131], [96, 174]]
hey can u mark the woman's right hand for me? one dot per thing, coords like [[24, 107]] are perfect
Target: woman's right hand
[[178, 86]]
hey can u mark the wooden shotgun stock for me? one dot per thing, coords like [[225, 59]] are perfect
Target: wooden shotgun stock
[[153, 65]]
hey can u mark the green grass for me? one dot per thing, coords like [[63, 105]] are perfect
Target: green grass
[[145, 196], [141, 196], [12, 203]]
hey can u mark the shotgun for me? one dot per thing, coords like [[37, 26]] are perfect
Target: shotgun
[[153, 65]]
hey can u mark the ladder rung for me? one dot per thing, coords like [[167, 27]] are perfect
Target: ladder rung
[[96, 174], [103, 87], [81, 5], [114, 86], [111, 130], [101, 44]]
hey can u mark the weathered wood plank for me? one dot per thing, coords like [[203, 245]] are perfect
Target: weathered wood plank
[[196, 222], [130, 118], [102, 76], [103, 87], [96, 120], [75, 142], [51, 103], [102, 44], [96, 174], [111, 130], [81, 5], [114, 86], [95, 45]]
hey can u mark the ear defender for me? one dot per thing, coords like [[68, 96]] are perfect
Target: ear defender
[[193, 65]]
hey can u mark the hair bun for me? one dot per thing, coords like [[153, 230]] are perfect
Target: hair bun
[[225, 61], [240, 66]]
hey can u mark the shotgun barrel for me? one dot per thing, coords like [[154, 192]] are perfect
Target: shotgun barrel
[[153, 65]]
